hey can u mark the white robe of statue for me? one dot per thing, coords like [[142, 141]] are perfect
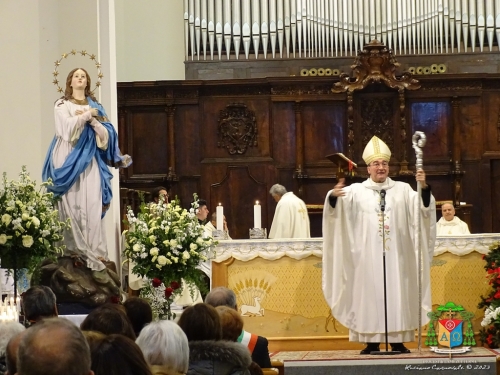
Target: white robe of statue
[[291, 219], [353, 266], [83, 201], [451, 228]]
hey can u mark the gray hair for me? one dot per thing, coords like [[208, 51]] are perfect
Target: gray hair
[[221, 296], [53, 346], [39, 301], [164, 343], [278, 190], [7, 331]]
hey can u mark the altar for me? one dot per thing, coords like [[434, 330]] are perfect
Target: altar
[[279, 295]]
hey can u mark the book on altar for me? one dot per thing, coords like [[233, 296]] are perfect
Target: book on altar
[[345, 166]]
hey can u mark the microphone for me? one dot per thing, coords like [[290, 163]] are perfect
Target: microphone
[[382, 200]]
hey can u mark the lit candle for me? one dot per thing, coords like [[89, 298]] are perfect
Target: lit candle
[[256, 215], [220, 217]]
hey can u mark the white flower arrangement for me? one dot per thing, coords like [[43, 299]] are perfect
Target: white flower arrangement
[[490, 315], [166, 244], [29, 224]]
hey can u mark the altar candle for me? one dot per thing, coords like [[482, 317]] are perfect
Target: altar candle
[[220, 217], [256, 215]]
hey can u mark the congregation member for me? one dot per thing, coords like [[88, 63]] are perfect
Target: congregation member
[[8, 331], [39, 302], [257, 345], [208, 353], [53, 346], [165, 347], [291, 219], [139, 313], [116, 354], [449, 224], [353, 247], [109, 319], [11, 353], [232, 326]]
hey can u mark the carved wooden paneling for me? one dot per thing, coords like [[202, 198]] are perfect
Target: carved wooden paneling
[[210, 119], [324, 125], [283, 134], [188, 140], [149, 110], [148, 137], [376, 114], [431, 117], [471, 136], [238, 190]]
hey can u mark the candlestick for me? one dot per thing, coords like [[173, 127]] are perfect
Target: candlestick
[[257, 215], [220, 217]]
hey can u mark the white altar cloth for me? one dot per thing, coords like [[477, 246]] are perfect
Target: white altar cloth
[[246, 250]]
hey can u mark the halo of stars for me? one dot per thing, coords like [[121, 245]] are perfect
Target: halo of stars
[[74, 52]]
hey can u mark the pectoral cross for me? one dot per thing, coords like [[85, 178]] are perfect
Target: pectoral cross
[[302, 211]]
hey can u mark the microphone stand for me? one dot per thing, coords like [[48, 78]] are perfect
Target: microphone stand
[[386, 352]]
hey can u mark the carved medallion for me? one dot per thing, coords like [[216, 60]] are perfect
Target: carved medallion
[[237, 129]]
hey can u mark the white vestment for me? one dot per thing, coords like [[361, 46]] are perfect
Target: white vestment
[[291, 219], [82, 203], [353, 263], [452, 227]]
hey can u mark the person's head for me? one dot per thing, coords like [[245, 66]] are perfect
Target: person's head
[[109, 319], [231, 323], [277, 191], [39, 302], [164, 343], [377, 156], [213, 219], [448, 211], [118, 355], [53, 346], [139, 313], [201, 322], [221, 296], [158, 192], [202, 210], [78, 78], [12, 345], [378, 170]]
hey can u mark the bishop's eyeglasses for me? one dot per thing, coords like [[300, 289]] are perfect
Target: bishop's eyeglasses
[[376, 164]]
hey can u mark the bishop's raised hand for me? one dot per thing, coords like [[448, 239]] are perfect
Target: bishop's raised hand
[[338, 189]]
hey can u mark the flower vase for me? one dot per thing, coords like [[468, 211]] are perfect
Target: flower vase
[[19, 267]]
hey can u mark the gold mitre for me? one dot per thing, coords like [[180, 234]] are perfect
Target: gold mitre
[[376, 149]]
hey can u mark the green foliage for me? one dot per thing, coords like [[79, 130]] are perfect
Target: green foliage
[[29, 224], [490, 333], [166, 244]]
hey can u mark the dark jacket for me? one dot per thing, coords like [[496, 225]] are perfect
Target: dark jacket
[[218, 358]]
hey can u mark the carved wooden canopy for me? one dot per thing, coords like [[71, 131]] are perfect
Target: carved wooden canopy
[[375, 64]]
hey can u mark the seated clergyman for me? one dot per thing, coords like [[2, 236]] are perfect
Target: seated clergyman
[[450, 224]]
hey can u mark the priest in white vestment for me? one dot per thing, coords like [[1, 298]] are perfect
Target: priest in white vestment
[[353, 230], [449, 224], [291, 219]]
